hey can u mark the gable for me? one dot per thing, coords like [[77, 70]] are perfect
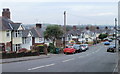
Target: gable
[[20, 28], [29, 34]]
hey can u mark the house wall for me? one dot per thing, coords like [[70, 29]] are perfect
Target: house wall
[[28, 43], [17, 40], [4, 38], [39, 40]]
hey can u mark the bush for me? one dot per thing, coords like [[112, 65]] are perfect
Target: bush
[[21, 54], [28, 53], [41, 48], [51, 48]]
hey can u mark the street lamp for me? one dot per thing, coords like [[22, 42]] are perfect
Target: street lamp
[[115, 33]]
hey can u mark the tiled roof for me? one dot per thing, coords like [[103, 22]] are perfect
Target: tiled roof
[[15, 26], [37, 32], [34, 33], [7, 24], [25, 33]]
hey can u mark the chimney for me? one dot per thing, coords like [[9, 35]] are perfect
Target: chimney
[[74, 28], [38, 25], [6, 13]]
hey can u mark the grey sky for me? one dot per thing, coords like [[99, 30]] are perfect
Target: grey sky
[[51, 11]]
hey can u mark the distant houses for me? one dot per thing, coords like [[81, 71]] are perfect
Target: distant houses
[[15, 36]]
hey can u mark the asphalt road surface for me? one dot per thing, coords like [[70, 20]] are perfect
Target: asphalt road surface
[[96, 59]]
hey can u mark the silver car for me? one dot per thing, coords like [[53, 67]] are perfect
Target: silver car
[[84, 47]]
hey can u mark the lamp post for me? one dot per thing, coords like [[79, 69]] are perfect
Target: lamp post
[[64, 38], [115, 33]]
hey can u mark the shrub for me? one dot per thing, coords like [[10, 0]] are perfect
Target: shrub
[[20, 54], [28, 53], [51, 48]]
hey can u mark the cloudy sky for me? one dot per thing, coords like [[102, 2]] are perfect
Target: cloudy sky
[[100, 12]]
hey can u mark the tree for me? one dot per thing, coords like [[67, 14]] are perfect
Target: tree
[[68, 28], [97, 28], [106, 27], [53, 32], [102, 36], [87, 27]]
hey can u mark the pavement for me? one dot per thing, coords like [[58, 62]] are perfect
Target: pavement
[[96, 59], [119, 62], [10, 60]]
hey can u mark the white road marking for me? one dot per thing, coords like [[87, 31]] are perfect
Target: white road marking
[[90, 53], [41, 66], [68, 60], [49, 65], [115, 68]]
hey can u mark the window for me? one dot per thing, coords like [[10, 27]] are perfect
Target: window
[[17, 33], [16, 47], [24, 40], [40, 39], [7, 33]]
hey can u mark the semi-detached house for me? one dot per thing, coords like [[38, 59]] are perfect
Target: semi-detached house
[[11, 33]]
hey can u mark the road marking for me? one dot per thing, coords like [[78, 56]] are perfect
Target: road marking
[[36, 68], [41, 66], [115, 68], [90, 53], [68, 60], [49, 65]]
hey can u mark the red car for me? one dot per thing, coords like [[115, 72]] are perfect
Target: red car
[[69, 50]]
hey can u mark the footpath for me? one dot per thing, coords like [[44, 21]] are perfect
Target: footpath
[[10, 60], [119, 62]]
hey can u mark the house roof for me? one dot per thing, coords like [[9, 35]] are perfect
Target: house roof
[[15, 26], [7, 24], [34, 33], [25, 33], [37, 32], [74, 32]]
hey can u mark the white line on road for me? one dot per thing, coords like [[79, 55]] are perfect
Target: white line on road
[[90, 53], [68, 60], [49, 65], [115, 68], [41, 66]]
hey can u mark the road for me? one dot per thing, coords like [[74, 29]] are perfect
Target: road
[[96, 59]]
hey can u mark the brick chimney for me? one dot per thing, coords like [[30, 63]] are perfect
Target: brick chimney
[[6, 13], [38, 25]]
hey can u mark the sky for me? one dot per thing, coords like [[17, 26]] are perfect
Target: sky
[[101, 12]]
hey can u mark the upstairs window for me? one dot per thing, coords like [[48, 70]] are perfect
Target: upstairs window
[[17, 33], [7, 33]]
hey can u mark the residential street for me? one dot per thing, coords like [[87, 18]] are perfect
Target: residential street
[[96, 59]]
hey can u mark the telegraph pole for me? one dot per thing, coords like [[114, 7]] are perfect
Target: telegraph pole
[[116, 33], [64, 42]]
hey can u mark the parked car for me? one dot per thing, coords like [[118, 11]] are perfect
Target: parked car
[[111, 48], [85, 45], [106, 43], [110, 40], [118, 48], [77, 47], [69, 50]]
